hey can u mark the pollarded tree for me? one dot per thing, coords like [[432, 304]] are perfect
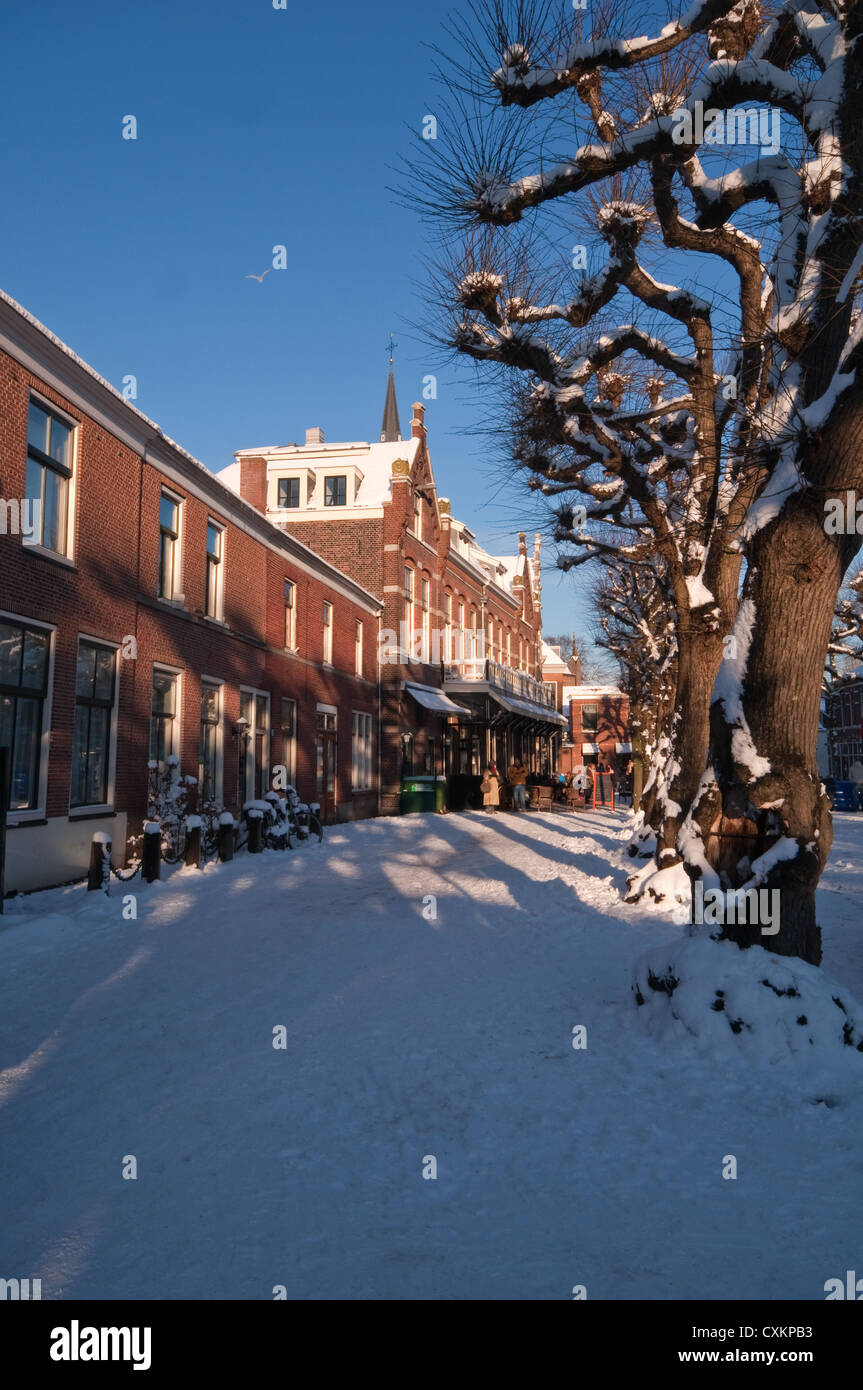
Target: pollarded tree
[[665, 106], [637, 625]]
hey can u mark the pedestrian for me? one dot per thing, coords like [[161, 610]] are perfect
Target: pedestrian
[[517, 777], [490, 788]]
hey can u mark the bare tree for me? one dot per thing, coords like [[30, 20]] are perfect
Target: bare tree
[[732, 463]]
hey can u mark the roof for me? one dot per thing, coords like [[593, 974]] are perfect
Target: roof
[[125, 421], [586, 692], [374, 461], [391, 430]]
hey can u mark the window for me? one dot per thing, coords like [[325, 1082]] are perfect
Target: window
[[169, 546], [215, 542], [210, 748], [418, 516], [490, 652], [508, 648], [361, 745], [24, 653], [409, 609], [289, 737], [447, 627], [358, 648], [328, 633], [336, 491], [588, 720], [326, 757], [253, 775], [49, 469], [95, 683], [474, 638], [426, 618], [290, 615], [289, 492], [164, 720], [462, 654]]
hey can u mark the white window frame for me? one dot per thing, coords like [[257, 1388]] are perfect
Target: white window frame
[[328, 612], [359, 645], [76, 811], [38, 812], [362, 751], [290, 621], [219, 791], [68, 554], [176, 596], [418, 516], [177, 722], [219, 615], [289, 745], [254, 691]]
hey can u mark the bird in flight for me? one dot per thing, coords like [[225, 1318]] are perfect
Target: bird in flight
[[259, 278]]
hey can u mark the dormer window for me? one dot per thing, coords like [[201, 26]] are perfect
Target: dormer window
[[289, 492], [336, 491]]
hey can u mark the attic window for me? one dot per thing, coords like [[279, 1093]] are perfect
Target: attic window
[[289, 492], [336, 491]]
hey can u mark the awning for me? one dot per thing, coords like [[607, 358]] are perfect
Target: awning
[[623, 748], [433, 699], [526, 709], [589, 750]]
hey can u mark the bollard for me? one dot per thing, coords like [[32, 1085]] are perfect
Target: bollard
[[226, 837], [99, 872], [151, 857], [192, 856], [256, 831]]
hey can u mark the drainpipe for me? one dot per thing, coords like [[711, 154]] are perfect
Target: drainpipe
[[380, 720]]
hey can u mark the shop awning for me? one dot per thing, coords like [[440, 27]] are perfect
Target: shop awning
[[430, 698], [526, 709], [623, 747]]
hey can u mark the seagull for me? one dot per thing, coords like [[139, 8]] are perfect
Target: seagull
[[259, 278]]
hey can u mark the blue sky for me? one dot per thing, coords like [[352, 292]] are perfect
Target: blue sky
[[256, 127]]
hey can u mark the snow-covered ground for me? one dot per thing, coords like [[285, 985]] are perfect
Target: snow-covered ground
[[408, 1036]]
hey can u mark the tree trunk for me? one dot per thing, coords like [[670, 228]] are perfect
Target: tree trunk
[[768, 791]]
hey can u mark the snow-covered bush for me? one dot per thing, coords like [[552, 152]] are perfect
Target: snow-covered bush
[[726, 999]]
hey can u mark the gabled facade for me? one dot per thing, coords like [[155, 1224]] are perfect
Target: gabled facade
[[460, 659]]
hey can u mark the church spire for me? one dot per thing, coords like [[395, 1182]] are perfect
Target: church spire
[[391, 430]]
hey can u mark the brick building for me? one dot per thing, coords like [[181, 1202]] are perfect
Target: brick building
[[843, 720], [145, 611], [461, 667]]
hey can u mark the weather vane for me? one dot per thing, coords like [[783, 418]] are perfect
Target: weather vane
[[391, 345]]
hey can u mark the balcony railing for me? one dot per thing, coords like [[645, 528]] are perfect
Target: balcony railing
[[503, 678]]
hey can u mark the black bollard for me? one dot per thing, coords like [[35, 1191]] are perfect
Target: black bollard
[[193, 846], [99, 872], [151, 858]]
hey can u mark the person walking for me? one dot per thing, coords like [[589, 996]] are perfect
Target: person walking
[[517, 777], [490, 788]]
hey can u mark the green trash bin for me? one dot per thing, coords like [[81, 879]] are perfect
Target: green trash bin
[[423, 793]]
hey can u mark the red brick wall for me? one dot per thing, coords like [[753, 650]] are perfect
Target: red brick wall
[[110, 592]]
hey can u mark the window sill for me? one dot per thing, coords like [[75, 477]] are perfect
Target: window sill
[[53, 555], [91, 812], [179, 602], [16, 820]]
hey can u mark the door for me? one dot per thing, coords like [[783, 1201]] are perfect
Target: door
[[327, 764]]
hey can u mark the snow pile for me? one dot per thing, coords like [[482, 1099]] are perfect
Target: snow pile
[[763, 1006]]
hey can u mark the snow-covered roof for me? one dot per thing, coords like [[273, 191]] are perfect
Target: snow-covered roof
[[552, 659], [587, 692], [374, 462]]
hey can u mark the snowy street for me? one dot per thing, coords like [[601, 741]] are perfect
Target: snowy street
[[407, 1036]]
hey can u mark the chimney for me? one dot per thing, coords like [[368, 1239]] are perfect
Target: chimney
[[418, 429], [314, 436], [253, 483]]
